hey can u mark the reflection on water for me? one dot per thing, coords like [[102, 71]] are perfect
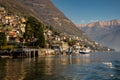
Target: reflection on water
[[94, 66], [2, 69], [12, 70]]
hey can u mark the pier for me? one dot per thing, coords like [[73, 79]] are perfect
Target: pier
[[30, 52], [22, 52]]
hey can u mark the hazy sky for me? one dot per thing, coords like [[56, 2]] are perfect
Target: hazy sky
[[85, 11]]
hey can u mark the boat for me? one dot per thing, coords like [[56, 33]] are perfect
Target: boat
[[82, 52]]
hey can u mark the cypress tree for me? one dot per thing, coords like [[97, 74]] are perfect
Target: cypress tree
[[3, 39]]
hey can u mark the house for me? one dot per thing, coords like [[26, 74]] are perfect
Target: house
[[49, 33], [57, 38], [23, 20], [11, 36], [22, 27]]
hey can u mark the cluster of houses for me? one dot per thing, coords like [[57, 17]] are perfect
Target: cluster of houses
[[60, 41], [12, 25]]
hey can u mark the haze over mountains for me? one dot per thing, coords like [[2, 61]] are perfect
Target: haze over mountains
[[105, 32]]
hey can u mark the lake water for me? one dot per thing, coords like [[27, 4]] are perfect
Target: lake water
[[93, 66]]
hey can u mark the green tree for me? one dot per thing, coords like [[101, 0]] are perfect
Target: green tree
[[70, 42], [3, 39], [35, 28]]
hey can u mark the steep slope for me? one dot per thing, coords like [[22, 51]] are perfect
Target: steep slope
[[107, 33], [16, 7], [51, 16]]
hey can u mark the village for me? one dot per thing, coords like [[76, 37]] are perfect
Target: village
[[56, 43]]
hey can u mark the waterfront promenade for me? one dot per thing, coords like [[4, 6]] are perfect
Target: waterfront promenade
[[26, 52]]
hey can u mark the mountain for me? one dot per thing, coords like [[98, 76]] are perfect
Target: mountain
[[51, 16], [105, 32]]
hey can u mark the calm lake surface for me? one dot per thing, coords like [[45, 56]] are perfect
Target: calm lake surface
[[93, 66]]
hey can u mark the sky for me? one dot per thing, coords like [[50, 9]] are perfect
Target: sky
[[86, 11]]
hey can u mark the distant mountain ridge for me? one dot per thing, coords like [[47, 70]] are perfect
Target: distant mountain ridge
[[101, 24], [107, 33]]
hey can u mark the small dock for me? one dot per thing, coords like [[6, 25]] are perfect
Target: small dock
[[30, 52], [20, 52]]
